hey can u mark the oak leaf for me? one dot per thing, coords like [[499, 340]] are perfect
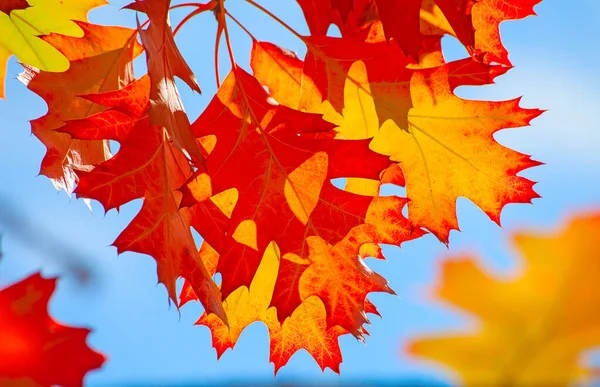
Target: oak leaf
[[486, 17], [165, 62], [332, 277], [99, 61], [333, 284], [444, 145], [22, 22], [399, 20], [285, 194], [36, 350], [533, 327], [147, 166], [374, 107], [337, 274], [305, 329]]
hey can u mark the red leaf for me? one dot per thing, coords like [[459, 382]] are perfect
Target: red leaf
[[284, 191], [165, 62], [36, 349]]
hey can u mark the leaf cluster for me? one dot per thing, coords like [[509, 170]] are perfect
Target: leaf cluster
[[253, 173]]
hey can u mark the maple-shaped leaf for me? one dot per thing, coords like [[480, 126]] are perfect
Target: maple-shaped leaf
[[147, 166], [446, 148], [305, 329], [35, 349], [444, 144], [22, 23], [99, 61], [336, 274], [165, 62], [284, 188], [533, 327]]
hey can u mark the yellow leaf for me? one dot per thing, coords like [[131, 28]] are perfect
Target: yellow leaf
[[534, 328], [443, 144], [20, 31]]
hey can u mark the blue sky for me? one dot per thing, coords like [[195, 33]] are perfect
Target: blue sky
[[555, 56]]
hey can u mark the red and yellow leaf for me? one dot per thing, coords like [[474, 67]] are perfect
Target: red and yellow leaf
[[444, 145], [285, 194], [305, 329]]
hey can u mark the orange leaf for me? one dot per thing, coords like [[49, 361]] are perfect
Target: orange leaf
[[446, 147], [337, 275], [109, 51], [537, 324]]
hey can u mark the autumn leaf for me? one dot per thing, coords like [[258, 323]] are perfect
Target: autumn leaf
[[318, 15], [285, 194], [446, 147], [399, 20], [538, 324], [486, 17], [334, 284], [337, 274], [443, 144], [254, 175], [127, 106], [36, 350], [411, 24], [23, 22], [350, 16], [147, 166], [109, 51], [305, 329], [164, 63]]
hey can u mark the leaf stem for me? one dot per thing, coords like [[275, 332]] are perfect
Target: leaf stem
[[198, 5], [223, 23], [201, 8], [217, 43], [241, 26]]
